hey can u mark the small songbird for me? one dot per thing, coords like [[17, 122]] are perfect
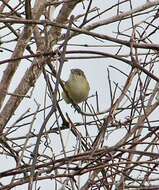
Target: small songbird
[[77, 87]]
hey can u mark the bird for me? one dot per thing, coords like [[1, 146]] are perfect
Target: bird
[[76, 88]]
